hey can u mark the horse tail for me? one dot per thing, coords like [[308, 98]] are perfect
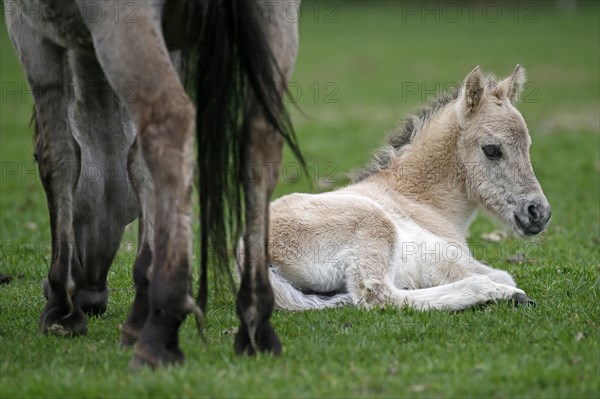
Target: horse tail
[[291, 298], [227, 60]]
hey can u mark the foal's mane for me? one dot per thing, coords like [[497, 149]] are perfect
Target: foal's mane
[[404, 134]]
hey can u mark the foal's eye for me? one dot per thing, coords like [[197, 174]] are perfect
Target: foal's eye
[[492, 151]]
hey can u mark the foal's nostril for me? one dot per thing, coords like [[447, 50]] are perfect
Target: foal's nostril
[[533, 213], [533, 217]]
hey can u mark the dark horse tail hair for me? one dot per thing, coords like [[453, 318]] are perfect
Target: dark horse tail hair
[[227, 62]]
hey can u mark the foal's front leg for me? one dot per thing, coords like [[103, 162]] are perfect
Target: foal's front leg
[[371, 280], [474, 284], [496, 275]]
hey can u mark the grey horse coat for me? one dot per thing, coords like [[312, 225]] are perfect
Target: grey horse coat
[[115, 139]]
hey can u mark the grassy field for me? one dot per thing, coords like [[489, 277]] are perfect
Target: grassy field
[[361, 67]]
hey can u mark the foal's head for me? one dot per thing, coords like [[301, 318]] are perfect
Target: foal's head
[[493, 146]]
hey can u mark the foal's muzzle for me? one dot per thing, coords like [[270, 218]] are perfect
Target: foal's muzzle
[[533, 217]]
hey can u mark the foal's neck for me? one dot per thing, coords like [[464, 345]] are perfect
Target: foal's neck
[[428, 172]]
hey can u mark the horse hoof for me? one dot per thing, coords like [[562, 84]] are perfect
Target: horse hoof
[[57, 321], [129, 335], [60, 330], [266, 341], [146, 356], [5, 278], [521, 299], [91, 302]]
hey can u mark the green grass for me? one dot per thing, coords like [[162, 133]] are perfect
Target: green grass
[[370, 56]]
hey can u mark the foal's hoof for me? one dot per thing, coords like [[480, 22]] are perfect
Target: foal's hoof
[[266, 341], [56, 320], [145, 355], [521, 299], [91, 302]]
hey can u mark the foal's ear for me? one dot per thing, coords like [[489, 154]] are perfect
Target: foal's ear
[[472, 93], [512, 86]]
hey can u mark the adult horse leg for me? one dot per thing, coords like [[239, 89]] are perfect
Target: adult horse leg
[[135, 54], [103, 200], [255, 298], [262, 158], [142, 267], [141, 180], [59, 164]]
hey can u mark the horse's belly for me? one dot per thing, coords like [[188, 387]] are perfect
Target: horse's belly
[[59, 20], [63, 21]]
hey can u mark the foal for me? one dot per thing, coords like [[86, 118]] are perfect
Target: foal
[[397, 235]]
